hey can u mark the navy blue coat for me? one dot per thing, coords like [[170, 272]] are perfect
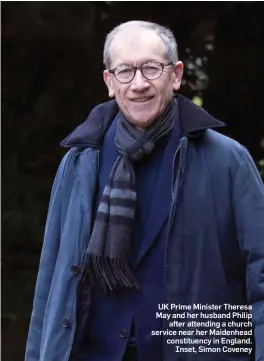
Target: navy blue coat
[[214, 244]]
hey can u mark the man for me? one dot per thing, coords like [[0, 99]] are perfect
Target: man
[[150, 206]]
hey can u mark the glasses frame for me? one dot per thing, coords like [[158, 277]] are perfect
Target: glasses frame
[[140, 67]]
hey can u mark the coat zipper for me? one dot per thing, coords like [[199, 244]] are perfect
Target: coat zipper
[[175, 190], [175, 186]]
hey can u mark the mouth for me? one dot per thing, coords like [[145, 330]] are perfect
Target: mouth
[[141, 100]]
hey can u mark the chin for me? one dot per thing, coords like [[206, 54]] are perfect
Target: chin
[[144, 123], [141, 121]]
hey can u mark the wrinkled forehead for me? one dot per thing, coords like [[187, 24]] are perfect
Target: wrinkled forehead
[[136, 45]]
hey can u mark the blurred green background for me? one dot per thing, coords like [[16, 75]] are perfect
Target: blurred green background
[[52, 77]]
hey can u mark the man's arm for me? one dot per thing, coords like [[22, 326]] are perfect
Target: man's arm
[[48, 256], [248, 201]]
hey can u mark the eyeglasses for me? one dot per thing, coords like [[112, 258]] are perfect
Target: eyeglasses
[[150, 71]]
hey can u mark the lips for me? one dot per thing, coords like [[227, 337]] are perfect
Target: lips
[[141, 100]]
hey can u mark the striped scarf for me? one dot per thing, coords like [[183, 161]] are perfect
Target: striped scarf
[[107, 254]]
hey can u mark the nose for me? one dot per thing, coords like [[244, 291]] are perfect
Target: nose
[[139, 83]]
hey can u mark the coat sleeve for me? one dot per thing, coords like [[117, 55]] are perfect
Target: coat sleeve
[[48, 255], [248, 201]]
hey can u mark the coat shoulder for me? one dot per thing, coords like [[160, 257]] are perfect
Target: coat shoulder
[[222, 147], [222, 141]]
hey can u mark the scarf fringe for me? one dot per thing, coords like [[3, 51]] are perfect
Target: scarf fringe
[[109, 274]]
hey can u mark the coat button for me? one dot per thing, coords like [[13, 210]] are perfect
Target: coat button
[[75, 269], [123, 334], [66, 323]]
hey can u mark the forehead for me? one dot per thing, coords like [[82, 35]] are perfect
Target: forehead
[[136, 45]]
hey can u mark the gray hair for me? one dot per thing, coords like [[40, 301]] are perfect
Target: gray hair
[[164, 33]]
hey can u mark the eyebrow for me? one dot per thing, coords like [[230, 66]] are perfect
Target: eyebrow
[[143, 62]]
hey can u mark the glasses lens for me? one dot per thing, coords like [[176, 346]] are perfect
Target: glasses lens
[[124, 73], [152, 70]]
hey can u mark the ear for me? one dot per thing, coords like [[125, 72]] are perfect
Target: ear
[[109, 83], [178, 73]]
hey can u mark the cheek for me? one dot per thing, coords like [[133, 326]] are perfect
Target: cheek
[[119, 92], [165, 95], [169, 92], [165, 91]]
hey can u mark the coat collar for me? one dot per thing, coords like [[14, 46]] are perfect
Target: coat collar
[[91, 133]]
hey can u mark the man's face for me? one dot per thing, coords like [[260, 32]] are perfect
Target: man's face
[[141, 100]]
